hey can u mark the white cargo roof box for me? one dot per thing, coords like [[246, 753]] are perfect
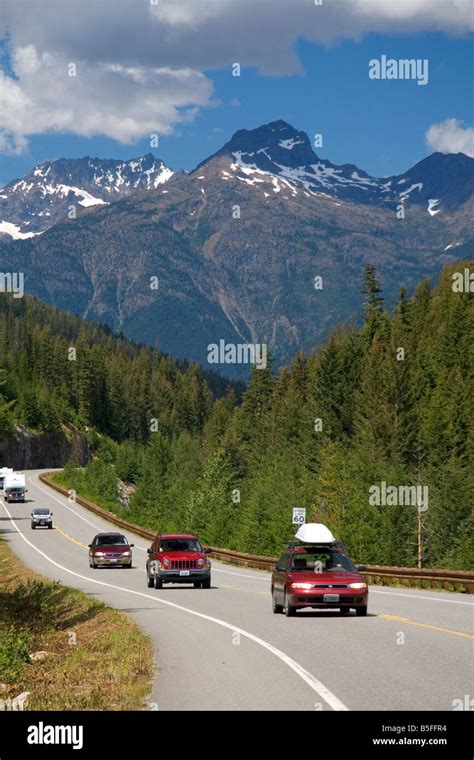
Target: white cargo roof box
[[314, 533], [5, 471]]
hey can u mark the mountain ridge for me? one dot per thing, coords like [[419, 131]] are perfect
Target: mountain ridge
[[277, 150], [43, 197], [235, 251]]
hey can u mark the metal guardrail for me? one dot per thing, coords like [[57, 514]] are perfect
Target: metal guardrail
[[462, 580]]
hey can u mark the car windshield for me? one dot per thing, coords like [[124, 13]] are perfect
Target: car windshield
[[180, 545], [319, 561], [41, 512], [111, 540]]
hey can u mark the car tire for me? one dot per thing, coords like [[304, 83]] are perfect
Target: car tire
[[50, 526], [149, 580], [277, 608], [33, 526], [361, 611], [344, 610], [288, 609], [197, 584], [157, 582], [206, 583]]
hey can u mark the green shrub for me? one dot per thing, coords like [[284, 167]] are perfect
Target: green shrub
[[33, 605], [15, 645]]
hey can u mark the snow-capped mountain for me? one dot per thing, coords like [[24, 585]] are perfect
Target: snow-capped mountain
[[273, 158], [278, 157], [440, 182], [246, 277], [42, 198]]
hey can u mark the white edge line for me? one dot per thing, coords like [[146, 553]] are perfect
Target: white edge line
[[415, 597], [313, 682]]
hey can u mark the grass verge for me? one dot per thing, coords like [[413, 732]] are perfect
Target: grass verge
[[86, 655]]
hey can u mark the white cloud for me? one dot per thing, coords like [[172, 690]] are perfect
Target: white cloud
[[140, 65], [451, 136], [125, 103], [434, 14]]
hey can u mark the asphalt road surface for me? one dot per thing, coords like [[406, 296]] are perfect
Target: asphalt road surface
[[223, 648]]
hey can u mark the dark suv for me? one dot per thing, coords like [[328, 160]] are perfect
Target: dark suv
[[318, 576], [178, 559]]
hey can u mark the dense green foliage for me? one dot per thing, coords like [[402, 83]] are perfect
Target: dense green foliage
[[330, 426], [56, 369]]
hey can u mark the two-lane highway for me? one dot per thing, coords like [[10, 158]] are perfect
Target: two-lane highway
[[223, 648]]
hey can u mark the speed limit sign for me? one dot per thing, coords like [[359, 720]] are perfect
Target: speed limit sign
[[299, 515]]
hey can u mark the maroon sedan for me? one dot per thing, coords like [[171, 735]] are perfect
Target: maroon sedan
[[110, 550], [321, 577]]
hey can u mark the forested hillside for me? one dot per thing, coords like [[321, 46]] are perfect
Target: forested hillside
[[392, 402], [56, 370]]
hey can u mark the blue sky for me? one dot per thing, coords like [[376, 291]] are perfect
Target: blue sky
[[379, 125]]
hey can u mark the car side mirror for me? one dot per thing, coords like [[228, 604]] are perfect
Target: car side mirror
[[131, 545], [361, 567], [89, 545], [148, 551], [207, 550]]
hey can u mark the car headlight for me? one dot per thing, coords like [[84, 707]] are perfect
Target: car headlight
[[201, 561], [357, 585], [166, 562], [126, 553], [100, 554], [301, 585]]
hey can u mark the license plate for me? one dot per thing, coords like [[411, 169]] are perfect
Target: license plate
[[331, 597], [184, 572], [113, 560]]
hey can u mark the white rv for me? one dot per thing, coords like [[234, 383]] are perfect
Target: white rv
[[3, 472], [14, 487]]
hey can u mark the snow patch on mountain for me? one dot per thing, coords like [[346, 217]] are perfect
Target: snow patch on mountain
[[290, 143], [6, 228], [64, 190]]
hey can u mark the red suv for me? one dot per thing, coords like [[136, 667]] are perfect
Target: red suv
[[178, 559], [318, 576]]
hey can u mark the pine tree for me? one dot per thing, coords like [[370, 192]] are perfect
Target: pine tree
[[372, 308]]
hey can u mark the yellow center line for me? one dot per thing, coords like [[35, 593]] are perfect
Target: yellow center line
[[70, 538], [245, 590], [427, 625]]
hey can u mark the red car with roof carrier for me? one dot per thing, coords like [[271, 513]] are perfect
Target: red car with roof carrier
[[318, 574], [178, 558]]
